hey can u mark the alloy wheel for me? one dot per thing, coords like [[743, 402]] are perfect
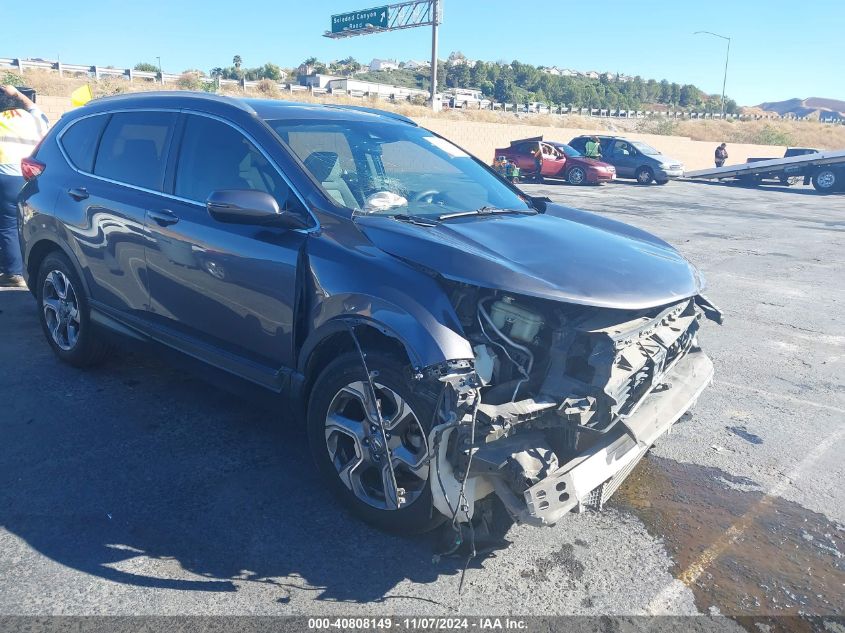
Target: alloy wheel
[[61, 310], [576, 176], [356, 446]]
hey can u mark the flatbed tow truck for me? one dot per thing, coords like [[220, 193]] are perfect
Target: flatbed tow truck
[[825, 170]]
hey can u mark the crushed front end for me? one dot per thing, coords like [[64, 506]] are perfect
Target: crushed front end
[[562, 401]]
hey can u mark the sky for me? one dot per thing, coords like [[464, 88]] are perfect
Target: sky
[[779, 50]]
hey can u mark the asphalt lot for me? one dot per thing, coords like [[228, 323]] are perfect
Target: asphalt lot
[[138, 489]]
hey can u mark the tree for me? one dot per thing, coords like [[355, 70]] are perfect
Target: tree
[[457, 75], [237, 61], [216, 72], [665, 94], [504, 90], [676, 93], [146, 67]]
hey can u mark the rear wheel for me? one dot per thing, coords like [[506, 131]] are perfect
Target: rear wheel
[[825, 180], [644, 175], [576, 176], [380, 474], [64, 313]]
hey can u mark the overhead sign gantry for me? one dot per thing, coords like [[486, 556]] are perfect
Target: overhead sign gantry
[[393, 17]]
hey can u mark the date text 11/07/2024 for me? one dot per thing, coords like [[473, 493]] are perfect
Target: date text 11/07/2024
[[417, 623]]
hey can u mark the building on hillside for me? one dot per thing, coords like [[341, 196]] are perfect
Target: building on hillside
[[384, 64], [317, 80], [415, 64], [591, 74], [551, 70], [568, 72]]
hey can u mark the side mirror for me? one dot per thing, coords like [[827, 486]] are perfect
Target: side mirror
[[246, 206]]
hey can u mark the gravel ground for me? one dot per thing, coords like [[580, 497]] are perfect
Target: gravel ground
[[136, 488]]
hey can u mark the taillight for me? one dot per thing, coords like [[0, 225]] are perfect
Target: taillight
[[31, 168]]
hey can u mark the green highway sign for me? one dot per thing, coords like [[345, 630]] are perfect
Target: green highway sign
[[375, 18]]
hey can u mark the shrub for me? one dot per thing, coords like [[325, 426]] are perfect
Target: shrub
[[268, 87], [190, 81], [658, 125], [12, 79], [769, 135]]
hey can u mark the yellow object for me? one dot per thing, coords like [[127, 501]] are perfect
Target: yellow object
[[81, 96]]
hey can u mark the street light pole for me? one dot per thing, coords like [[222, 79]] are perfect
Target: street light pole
[[727, 56]]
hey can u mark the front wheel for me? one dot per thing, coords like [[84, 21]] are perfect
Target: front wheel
[[576, 176], [374, 455], [64, 313], [824, 180], [644, 175]]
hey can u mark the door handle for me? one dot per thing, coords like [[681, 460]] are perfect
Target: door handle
[[78, 193], [165, 217]]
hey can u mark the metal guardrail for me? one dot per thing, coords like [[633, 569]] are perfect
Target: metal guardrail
[[96, 72]]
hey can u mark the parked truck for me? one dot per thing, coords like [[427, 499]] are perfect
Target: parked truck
[[825, 170]]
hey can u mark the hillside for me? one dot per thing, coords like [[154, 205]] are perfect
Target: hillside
[[812, 107]]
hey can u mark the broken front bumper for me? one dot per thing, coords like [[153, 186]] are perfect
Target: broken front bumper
[[589, 479]]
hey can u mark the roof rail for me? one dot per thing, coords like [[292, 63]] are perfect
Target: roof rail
[[176, 94]]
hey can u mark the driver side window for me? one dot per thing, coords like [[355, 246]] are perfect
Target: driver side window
[[215, 156], [621, 148]]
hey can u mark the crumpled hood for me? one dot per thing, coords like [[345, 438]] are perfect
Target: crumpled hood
[[563, 255]]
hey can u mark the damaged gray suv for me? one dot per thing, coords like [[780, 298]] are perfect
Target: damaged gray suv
[[451, 338]]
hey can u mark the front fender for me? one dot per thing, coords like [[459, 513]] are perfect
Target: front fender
[[375, 288]]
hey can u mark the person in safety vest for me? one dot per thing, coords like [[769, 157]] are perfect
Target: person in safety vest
[[593, 148], [22, 126]]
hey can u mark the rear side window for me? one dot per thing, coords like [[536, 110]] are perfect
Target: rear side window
[[579, 144], [214, 156], [133, 148], [80, 141]]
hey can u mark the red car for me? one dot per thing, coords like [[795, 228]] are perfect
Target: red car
[[559, 161]]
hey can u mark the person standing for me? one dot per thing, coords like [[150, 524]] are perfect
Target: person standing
[[593, 148], [538, 160], [22, 126], [721, 155]]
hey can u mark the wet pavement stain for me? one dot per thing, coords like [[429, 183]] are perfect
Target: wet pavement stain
[[563, 559], [759, 559]]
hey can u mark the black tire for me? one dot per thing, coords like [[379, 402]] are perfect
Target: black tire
[[662, 182], [644, 175], [419, 515], [88, 348], [825, 180], [576, 176]]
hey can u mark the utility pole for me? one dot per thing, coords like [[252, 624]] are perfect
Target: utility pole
[[727, 57]]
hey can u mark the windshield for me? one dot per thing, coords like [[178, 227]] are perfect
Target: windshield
[[644, 148], [569, 151], [392, 168]]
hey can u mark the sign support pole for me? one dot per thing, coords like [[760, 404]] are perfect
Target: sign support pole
[[436, 19]]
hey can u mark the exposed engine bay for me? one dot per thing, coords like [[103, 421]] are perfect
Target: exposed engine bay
[[562, 402]]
